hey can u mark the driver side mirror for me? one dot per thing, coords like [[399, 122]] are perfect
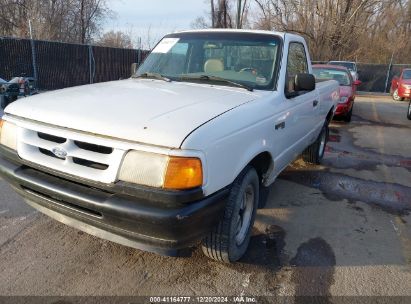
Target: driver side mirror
[[357, 82], [304, 82]]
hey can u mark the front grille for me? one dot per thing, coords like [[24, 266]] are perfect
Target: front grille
[[56, 139], [93, 148], [88, 163], [72, 153]]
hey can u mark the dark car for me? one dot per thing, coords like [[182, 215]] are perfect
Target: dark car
[[18, 86], [348, 87]]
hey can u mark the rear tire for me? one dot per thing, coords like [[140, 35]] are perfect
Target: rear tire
[[315, 153], [348, 117], [228, 241], [396, 97], [409, 111]]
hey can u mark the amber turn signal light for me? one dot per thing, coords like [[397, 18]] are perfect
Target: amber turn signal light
[[183, 173]]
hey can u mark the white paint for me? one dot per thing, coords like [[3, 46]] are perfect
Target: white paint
[[138, 110], [4, 211]]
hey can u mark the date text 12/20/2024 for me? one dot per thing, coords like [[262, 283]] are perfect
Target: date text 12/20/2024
[[199, 299]]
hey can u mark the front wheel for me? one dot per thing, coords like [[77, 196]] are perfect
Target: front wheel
[[228, 241], [315, 153], [409, 111], [396, 97]]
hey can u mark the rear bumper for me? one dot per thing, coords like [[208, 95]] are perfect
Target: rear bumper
[[158, 226]]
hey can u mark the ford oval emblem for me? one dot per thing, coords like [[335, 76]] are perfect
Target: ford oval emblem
[[59, 152]]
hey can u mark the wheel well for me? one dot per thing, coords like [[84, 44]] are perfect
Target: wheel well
[[262, 163], [330, 115]]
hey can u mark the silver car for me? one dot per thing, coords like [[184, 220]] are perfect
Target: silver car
[[350, 65]]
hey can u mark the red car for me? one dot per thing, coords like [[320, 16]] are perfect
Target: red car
[[401, 86], [348, 87]]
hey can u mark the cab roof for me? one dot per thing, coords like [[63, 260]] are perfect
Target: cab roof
[[330, 66], [281, 34]]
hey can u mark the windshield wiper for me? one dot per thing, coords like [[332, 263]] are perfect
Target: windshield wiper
[[153, 75], [215, 78]]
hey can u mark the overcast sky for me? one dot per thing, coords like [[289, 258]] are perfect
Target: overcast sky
[[162, 16]]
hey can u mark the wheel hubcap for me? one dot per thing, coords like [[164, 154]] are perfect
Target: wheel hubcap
[[244, 215]]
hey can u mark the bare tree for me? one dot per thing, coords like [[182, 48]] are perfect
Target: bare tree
[[338, 29], [115, 39], [62, 20], [223, 14], [212, 13]]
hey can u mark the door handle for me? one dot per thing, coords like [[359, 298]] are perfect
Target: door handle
[[315, 103], [280, 125]]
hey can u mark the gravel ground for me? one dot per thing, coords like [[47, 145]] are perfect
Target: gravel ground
[[340, 229]]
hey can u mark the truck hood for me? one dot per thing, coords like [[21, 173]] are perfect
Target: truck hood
[[141, 110]]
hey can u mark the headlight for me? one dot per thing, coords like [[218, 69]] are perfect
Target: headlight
[[407, 86], [161, 171], [8, 134], [343, 100]]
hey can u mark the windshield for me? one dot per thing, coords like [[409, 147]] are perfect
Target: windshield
[[226, 58], [406, 74], [348, 65], [341, 76]]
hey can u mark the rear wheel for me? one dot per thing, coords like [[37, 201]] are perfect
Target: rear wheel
[[409, 111], [228, 241], [348, 117], [314, 153], [396, 97]]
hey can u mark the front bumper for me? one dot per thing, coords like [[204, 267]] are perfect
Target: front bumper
[[403, 92], [343, 108], [164, 226]]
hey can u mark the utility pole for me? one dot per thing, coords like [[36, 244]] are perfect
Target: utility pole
[[239, 14], [388, 72], [33, 53]]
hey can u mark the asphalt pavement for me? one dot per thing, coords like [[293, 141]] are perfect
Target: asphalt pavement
[[340, 229]]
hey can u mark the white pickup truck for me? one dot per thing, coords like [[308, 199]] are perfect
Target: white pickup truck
[[177, 154]]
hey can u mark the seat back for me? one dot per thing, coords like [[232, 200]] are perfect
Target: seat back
[[213, 65]]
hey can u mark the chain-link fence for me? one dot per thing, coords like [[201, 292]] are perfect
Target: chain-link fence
[[60, 65], [378, 77]]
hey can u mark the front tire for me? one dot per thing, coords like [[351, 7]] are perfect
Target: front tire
[[396, 97], [409, 111], [315, 153], [228, 241]]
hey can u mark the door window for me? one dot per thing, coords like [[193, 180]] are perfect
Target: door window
[[297, 63]]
